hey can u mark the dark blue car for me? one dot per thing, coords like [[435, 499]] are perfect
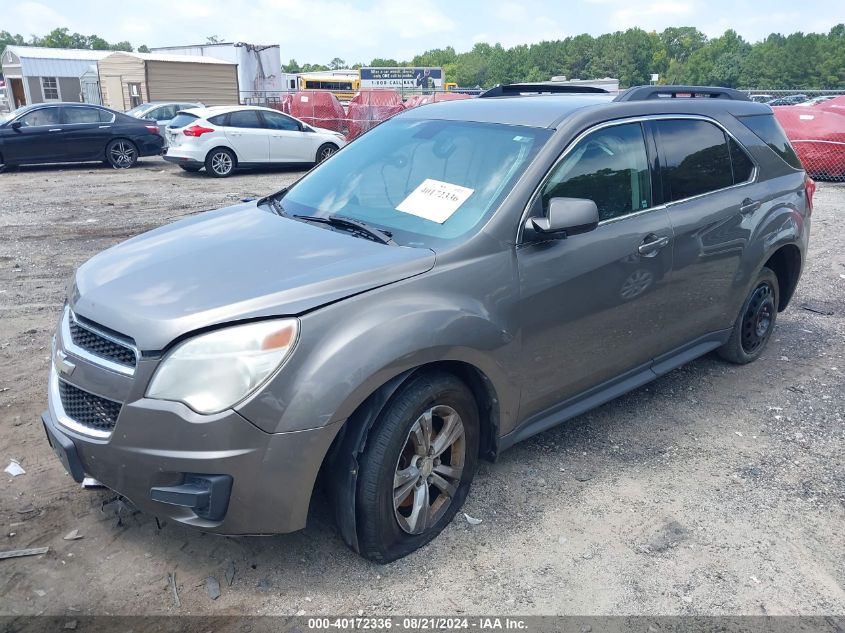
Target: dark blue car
[[75, 132]]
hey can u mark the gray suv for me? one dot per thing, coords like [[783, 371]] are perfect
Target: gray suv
[[462, 277]]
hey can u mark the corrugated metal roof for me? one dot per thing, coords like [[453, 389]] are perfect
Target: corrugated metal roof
[[38, 52], [161, 57]]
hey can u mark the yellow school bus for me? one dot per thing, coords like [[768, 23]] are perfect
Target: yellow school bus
[[344, 88]]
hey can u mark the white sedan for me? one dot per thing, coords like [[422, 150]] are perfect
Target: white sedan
[[223, 138]]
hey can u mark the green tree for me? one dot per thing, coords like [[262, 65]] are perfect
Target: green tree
[[336, 64], [291, 67]]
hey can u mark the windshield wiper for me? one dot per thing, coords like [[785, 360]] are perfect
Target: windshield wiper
[[355, 227]]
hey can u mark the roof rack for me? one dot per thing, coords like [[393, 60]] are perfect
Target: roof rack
[[644, 93], [540, 87]]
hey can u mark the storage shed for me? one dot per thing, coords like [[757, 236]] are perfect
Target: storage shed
[[37, 75], [129, 79]]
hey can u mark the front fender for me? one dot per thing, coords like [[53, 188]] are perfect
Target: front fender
[[348, 350]]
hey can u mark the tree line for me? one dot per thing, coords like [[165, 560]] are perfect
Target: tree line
[[679, 55]]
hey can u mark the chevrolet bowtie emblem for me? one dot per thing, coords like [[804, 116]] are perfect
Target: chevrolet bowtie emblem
[[64, 366]]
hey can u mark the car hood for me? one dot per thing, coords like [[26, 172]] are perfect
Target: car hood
[[236, 263]]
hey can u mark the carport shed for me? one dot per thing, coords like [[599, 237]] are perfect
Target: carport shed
[[128, 79]]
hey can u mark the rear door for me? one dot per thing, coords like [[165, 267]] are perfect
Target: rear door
[[288, 143], [86, 131], [592, 305], [249, 138], [38, 139], [708, 184]]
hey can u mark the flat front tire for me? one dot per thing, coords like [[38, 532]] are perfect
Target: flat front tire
[[756, 321], [417, 467], [220, 162]]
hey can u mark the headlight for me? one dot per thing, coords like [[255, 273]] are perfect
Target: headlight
[[214, 371]]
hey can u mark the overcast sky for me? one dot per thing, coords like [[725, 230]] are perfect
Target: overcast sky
[[357, 31]]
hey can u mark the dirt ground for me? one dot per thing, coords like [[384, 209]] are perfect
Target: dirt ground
[[714, 490]]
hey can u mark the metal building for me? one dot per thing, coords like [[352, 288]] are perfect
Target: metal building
[[259, 66], [36, 75], [129, 79]]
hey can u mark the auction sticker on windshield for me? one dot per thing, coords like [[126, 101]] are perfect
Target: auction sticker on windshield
[[435, 200]]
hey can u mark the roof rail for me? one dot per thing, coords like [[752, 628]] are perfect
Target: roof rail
[[644, 93], [540, 87]]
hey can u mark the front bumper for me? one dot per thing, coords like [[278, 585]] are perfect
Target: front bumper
[[157, 444]]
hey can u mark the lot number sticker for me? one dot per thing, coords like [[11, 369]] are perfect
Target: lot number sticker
[[435, 200]]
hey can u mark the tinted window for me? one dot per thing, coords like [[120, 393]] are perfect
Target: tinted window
[[741, 162], [276, 121], [182, 119], [82, 115], [244, 118], [767, 128], [695, 159], [106, 116], [609, 167], [220, 119], [42, 116]]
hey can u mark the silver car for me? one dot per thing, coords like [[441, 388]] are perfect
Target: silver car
[[460, 278], [162, 112]]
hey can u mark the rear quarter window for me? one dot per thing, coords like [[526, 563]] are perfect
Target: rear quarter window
[[182, 119], [768, 130]]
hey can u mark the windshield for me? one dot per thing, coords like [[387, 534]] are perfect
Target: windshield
[[139, 110], [425, 182]]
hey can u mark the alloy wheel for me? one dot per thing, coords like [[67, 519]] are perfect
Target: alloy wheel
[[429, 469], [122, 155], [326, 152], [221, 163]]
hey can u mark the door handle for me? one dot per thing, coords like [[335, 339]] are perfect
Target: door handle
[[55, 129], [749, 206], [104, 126], [651, 244]]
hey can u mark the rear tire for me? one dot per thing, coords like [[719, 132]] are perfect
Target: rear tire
[[220, 162], [756, 321], [191, 168], [325, 151], [418, 465], [121, 153]]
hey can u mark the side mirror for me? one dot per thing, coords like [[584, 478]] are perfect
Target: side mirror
[[567, 216], [16, 125]]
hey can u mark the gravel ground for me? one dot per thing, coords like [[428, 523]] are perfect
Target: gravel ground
[[714, 490]]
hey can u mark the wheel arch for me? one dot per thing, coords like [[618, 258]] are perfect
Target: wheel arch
[[786, 264], [339, 471], [227, 148]]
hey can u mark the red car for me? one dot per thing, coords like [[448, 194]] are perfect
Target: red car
[[818, 135]]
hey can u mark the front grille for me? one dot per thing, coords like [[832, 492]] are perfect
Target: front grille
[[87, 409], [99, 345]]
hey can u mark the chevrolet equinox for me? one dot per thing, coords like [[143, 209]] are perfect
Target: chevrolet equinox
[[463, 276]]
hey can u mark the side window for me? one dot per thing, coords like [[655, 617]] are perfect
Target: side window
[[742, 165], [165, 113], [609, 167], [42, 116], [220, 119], [50, 88], [82, 115], [245, 118], [276, 121], [695, 159], [105, 116]]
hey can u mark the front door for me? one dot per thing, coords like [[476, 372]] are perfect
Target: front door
[[38, 139], [18, 95], [592, 304], [288, 143], [245, 131]]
